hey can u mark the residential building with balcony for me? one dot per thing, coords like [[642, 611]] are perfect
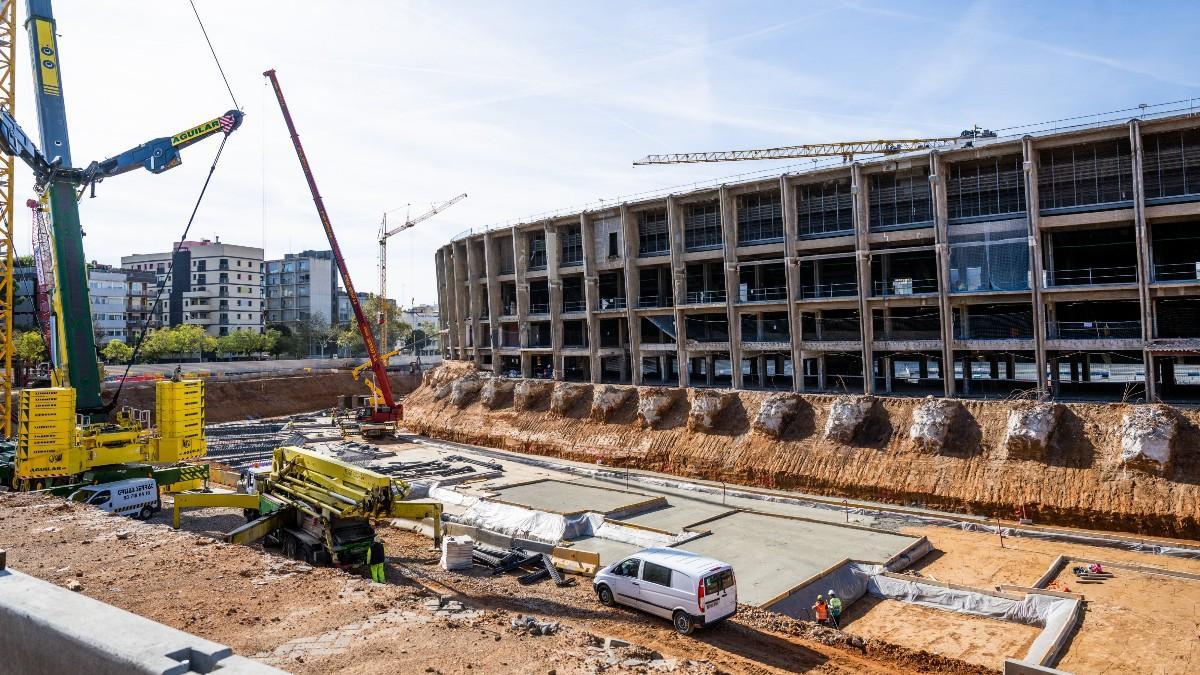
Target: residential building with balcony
[[301, 286], [106, 288]]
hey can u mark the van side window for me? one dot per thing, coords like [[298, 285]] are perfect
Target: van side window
[[628, 568], [657, 574], [100, 497]]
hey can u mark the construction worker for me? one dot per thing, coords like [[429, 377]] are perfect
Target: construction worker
[[835, 610], [375, 561], [820, 611]]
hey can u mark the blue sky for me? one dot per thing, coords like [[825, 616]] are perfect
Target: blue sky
[[534, 106]]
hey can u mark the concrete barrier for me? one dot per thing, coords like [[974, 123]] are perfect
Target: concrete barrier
[[46, 630]]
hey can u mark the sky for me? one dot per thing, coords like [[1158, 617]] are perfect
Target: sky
[[532, 107]]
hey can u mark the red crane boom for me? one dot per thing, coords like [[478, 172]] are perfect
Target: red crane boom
[[364, 327]]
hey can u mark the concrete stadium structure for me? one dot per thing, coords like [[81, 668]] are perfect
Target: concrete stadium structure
[[906, 263]]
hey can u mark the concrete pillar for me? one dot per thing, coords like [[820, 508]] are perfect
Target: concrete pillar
[[966, 374], [1168, 371], [1074, 369], [629, 234], [474, 301], [994, 367], [923, 367], [678, 285], [1085, 367], [462, 303], [1142, 238], [591, 294], [791, 268], [1010, 367], [554, 284], [1055, 377], [937, 185], [521, 253], [762, 370], [1033, 219], [887, 374], [729, 249], [439, 268], [858, 189], [821, 372], [455, 333], [491, 263]]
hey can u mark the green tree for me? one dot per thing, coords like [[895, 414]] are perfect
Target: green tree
[[30, 347], [117, 351]]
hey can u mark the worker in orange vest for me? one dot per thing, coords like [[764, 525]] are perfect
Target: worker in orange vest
[[821, 611]]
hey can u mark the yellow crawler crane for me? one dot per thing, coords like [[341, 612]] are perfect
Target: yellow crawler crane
[[320, 509]]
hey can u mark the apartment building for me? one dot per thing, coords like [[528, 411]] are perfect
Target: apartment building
[[221, 289], [141, 289], [106, 288], [300, 286], [1062, 263]]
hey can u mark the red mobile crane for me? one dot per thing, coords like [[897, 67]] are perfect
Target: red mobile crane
[[390, 411]]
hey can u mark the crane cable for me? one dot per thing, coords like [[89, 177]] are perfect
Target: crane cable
[[144, 329], [214, 54]]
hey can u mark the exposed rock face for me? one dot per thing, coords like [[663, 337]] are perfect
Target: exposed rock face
[[654, 403], [1027, 435], [707, 406], [464, 389], [496, 392], [931, 422], [566, 395], [528, 393], [609, 400], [776, 413], [846, 415], [1147, 436], [442, 391]]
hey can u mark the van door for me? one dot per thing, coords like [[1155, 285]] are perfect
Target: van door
[[720, 594], [625, 582], [657, 595]]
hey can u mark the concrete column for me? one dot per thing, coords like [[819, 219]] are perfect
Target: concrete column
[[1055, 377], [1168, 372], [966, 374], [994, 367], [1033, 219], [473, 301], [710, 366], [439, 268], [591, 294], [1085, 367], [462, 304], [791, 268], [937, 185], [729, 248], [454, 335], [1142, 238], [762, 370], [679, 286], [821, 372], [491, 261], [1010, 367], [629, 234], [1074, 369], [521, 253], [887, 374], [923, 367], [863, 257], [554, 282]]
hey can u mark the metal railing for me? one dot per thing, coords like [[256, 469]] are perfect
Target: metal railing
[[767, 335], [1008, 326], [1093, 276], [828, 330], [509, 310], [539, 308], [765, 294], [834, 290], [704, 297], [1168, 272], [574, 306], [905, 286], [1094, 330], [611, 303], [655, 301]]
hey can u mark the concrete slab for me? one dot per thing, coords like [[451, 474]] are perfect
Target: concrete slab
[[771, 554], [678, 515], [569, 497], [610, 551]]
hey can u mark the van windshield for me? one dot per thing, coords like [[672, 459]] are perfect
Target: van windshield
[[82, 495], [715, 583]]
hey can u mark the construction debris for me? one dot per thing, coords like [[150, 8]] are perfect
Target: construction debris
[[536, 566], [931, 423], [1147, 435], [1030, 425], [707, 406], [531, 626]]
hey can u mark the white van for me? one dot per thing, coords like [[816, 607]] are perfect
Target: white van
[[689, 589], [134, 497]]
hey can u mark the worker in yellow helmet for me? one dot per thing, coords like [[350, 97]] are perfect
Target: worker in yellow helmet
[[375, 561]]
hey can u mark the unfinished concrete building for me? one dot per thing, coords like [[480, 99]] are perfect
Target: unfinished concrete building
[[931, 268]]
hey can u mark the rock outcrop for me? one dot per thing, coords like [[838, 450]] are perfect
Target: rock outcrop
[[654, 403], [464, 389], [1148, 436], [608, 400], [776, 413], [527, 394], [846, 415], [1030, 425], [496, 392], [707, 406], [566, 395], [931, 423]]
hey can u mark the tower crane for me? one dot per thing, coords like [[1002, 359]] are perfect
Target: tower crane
[[846, 150], [384, 233]]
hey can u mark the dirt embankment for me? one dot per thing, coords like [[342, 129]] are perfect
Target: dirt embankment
[[229, 400], [1078, 479]]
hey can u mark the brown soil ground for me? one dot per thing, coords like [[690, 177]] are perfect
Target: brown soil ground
[[1079, 483], [1133, 623], [323, 620], [961, 636], [227, 401]]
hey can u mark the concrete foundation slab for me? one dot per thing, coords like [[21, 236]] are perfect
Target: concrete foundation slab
[[771, 554], [679, 514], [562, 497]]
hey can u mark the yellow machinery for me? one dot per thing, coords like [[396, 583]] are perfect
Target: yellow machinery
[[320, 508], [368, 427]]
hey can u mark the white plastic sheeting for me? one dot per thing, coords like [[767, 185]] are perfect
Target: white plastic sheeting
[[523, 523]]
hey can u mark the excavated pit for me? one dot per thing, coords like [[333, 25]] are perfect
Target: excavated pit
[[1079, 479]]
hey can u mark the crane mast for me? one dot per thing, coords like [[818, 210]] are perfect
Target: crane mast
[[8, 42], [393, 411], [384, 233]]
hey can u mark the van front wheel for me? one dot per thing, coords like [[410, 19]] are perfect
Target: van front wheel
[[684, 624], [145, 513], [606, 596]]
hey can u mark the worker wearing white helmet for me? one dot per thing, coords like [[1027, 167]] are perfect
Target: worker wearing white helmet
[[835, 610]]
